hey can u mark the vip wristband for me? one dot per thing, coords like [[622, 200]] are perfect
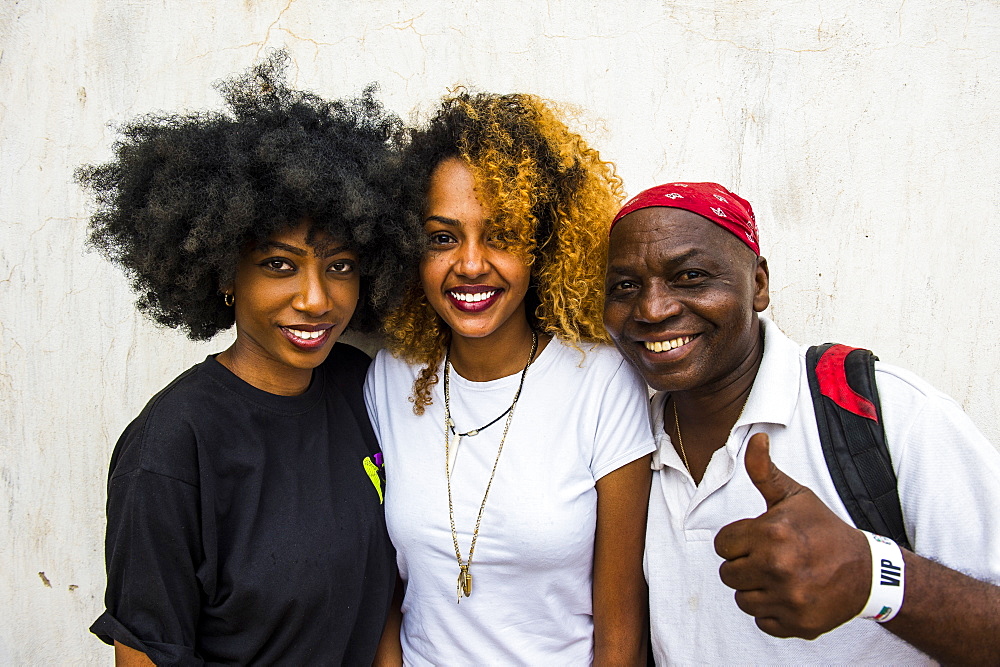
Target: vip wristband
[[886, 596]]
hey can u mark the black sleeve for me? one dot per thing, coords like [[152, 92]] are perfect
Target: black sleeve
[[153, 547]]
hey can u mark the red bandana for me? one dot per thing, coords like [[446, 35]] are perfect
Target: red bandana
[[709, 200]]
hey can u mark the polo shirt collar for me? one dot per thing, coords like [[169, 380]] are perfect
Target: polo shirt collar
[[775, 390]]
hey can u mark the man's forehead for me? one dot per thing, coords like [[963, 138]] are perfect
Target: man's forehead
[[670, 231]]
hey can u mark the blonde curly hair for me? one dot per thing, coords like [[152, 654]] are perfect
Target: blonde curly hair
[[553, 198]]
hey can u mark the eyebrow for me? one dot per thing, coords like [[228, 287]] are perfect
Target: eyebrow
[[678, 259], [443, 220], [277, 245], [330, 252], [266, 246], [683, 257]]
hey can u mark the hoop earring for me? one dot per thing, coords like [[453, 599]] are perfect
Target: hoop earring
[[228, 299]]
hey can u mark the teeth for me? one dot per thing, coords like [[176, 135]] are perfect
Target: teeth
[[664, 345], [306, 335], [473, 298]]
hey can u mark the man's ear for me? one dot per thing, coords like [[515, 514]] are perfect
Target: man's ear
[[761, 296]]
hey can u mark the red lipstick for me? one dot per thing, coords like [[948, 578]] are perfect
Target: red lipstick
[[473, 298], [320, 331]]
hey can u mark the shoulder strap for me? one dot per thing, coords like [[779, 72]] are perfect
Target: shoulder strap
[[849, 417]]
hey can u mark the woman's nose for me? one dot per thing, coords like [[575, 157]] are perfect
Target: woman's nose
[[472, 260], [313, 296]]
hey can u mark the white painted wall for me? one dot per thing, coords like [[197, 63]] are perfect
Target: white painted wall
[[864, 133]]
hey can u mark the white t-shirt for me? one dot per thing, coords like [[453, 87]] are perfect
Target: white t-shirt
[[949, 486], [578, 419]]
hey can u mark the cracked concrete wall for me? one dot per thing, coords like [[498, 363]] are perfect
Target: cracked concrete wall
[[863, 133]]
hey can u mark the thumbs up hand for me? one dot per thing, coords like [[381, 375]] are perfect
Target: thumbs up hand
[[798, 569]]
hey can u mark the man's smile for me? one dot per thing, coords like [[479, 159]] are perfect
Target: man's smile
[[667, 345]]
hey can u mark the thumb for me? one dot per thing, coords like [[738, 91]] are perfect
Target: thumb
[[773, 484]]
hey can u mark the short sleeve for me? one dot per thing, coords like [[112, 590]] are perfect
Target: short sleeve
[[623, 432], [948, 476], [153, 551], [375, 370]]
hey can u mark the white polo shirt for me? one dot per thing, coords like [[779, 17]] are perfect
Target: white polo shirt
[[949, 486]]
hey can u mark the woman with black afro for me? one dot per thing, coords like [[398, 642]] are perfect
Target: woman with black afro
[[245, 518], [518, 441]]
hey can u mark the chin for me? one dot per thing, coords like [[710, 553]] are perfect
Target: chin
[[310, 360], [659, 381], [466, 329]]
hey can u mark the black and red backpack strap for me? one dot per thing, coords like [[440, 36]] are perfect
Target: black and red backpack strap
[[849, 417]]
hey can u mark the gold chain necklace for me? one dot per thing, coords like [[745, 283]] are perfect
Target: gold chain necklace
[[464, 578], [680, 440]]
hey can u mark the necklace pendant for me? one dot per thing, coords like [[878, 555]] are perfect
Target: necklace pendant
[[465, 580], [464, 584]]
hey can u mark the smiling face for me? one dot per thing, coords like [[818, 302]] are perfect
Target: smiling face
[[475, 286], [294, 295], [682, 298]]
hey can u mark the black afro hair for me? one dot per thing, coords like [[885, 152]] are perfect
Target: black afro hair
[[186, 193]]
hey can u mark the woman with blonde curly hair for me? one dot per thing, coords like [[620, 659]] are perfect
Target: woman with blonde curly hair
[[516, 440]]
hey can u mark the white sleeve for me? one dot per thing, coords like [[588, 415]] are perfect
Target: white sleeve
[[623, 432], [948, 477], [375, 370]]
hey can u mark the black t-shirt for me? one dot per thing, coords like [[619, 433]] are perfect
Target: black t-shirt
[[246, 527]]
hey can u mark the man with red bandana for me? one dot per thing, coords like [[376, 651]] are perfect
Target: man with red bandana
[[742, 497]]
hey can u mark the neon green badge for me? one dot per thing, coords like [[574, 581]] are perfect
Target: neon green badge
[[372, 471]]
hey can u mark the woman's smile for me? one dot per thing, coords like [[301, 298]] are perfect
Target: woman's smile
[[474, 298], [308, 337]]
